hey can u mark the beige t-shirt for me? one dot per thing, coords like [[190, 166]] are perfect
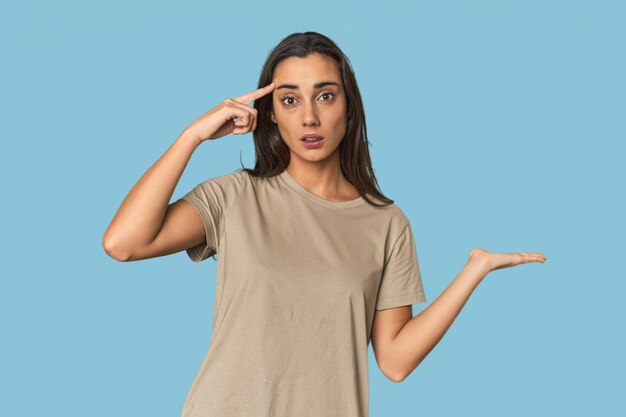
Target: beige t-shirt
[[298, 279]]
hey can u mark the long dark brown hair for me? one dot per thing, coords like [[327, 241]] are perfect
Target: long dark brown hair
[[272, 153]]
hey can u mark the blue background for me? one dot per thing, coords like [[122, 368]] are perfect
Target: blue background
[[495, 124]]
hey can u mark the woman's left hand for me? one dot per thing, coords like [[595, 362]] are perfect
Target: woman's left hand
[[491, 261]]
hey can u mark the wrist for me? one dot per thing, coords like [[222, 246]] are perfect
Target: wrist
[[190, 137], [477, 268]]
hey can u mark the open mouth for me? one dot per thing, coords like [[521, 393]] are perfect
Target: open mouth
[[311, 137], [312, 142]]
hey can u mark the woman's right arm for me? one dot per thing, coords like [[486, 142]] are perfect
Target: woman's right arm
[[146, 225], [145, 210]]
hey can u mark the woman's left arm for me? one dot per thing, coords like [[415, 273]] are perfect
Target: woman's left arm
[[421, 333]]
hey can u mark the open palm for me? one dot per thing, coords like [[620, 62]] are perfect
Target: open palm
[[492, 261]]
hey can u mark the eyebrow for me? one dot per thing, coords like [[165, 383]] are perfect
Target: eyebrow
[[317, 85]]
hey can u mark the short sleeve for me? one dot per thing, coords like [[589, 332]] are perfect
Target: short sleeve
[[213, 199], [401, 282]]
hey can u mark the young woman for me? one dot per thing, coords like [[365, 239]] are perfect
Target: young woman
[[314, 261]]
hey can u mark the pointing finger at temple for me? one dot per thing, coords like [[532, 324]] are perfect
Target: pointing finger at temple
[[256, 94]]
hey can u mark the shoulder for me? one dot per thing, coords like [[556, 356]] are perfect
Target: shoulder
[[391, 213], [238, 177], [218, 191], [399, 222], [392, 220], [233, 181]]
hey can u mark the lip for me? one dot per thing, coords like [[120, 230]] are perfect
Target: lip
[[312, 145], [308, 135]]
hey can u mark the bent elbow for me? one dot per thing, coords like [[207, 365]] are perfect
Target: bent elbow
[[398, 375], [393, 375], [397, 378], [113, 251]]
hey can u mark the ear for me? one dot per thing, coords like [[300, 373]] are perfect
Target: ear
[[273, 118]]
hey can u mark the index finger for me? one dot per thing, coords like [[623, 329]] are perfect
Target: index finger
[[256, 94]]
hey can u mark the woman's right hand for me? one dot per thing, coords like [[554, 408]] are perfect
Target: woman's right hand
[[219, 121]]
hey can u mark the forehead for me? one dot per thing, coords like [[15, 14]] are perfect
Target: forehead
[[305, 72]]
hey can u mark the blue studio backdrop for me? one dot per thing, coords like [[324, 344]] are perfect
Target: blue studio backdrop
[[495, 124]]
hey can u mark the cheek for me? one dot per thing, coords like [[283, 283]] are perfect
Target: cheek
[[338, 120], [282, 114]]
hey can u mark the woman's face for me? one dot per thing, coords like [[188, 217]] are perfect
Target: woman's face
[[304, 103]]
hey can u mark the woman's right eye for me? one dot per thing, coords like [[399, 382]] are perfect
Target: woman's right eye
[[287, 98]]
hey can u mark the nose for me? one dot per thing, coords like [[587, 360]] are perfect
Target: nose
[[309, 116]]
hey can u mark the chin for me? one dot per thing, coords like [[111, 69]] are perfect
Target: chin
[[314, 155], [310, 156]]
